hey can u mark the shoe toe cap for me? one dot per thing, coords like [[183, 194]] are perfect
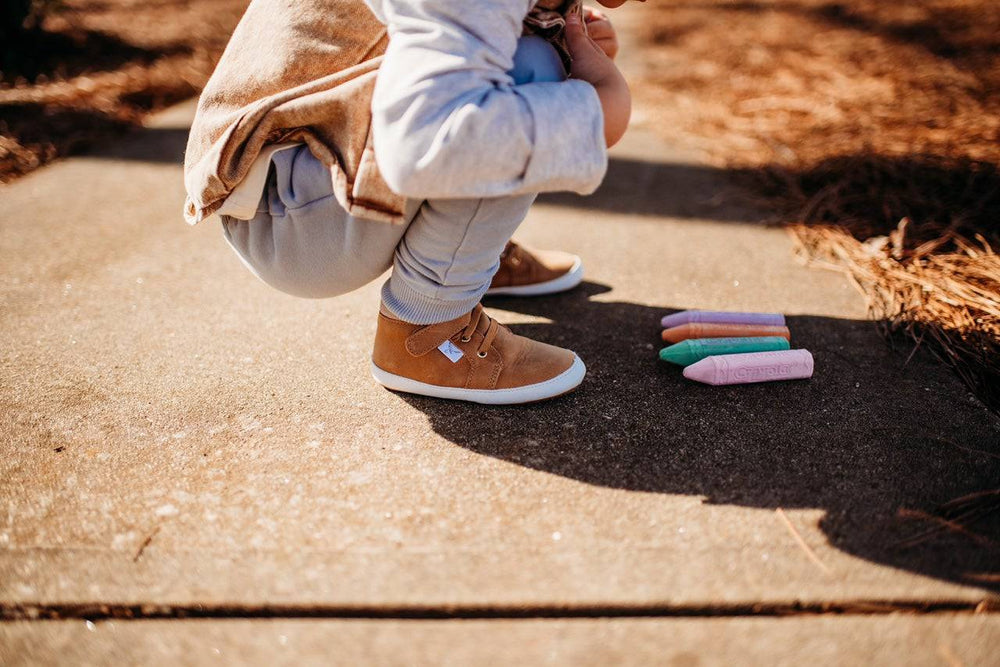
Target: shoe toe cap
[[556, 263], [537, 362]]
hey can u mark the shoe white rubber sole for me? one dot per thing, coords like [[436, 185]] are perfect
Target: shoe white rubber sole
[[566, 381], [566, 281]]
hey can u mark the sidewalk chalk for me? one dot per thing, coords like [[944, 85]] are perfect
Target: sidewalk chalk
[[722, 317], [752, 367], [688, 352], [686, 331]]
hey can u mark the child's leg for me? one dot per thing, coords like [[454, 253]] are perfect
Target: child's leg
[[433, 338], [302, 242], [446, 260]]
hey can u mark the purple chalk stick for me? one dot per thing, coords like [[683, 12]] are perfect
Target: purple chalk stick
[[752, 367], [722, 317]]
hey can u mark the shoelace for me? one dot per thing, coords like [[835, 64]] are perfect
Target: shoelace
[[491, 331]]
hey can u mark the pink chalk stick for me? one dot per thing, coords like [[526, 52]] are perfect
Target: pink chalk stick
[[752, 367], [722, 317]]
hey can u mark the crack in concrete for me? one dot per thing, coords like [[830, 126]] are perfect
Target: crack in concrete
[[99, 611]]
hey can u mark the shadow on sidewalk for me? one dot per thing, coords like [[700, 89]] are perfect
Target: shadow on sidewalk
[[666, 190], [867, 438], [162, 145]]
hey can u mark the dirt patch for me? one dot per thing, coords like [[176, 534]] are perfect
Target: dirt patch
[[93, 68], [872, 129]]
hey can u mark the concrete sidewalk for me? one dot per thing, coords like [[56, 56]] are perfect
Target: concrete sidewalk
[[178, 439]]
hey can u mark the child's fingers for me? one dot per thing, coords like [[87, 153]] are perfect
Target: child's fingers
[[577, 39], [603, 33], [599, 30]]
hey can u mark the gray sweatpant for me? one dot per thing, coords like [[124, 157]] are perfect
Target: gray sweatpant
[[303, 242]]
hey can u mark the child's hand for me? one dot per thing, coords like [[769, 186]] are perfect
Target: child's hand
[[592, 64], [601, 31]]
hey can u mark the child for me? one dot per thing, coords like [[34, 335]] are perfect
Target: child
[[338, 138]]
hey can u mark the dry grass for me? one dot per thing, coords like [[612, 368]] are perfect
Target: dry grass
[[947, 299], [97, 67], [872, 129]]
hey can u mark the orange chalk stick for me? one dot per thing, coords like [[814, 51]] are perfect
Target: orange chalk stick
[[696, 330]]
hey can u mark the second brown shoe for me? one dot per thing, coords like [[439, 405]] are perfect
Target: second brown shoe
[[527, 272], [471, 358]]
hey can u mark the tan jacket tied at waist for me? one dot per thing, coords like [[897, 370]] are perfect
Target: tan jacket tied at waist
[[313, 84]]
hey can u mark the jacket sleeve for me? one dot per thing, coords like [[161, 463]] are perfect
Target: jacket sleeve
[[449, 122]]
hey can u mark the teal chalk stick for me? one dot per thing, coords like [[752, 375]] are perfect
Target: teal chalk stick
[[693, 350]]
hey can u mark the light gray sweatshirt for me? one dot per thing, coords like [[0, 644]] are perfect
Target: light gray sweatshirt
[[447, 120]]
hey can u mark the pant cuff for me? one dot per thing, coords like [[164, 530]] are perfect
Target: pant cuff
[[410, 305]]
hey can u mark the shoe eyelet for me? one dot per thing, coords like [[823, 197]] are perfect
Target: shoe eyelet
[[481, 355], [464, 339]]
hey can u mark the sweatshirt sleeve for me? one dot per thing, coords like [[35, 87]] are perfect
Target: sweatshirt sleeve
[[448, 120]]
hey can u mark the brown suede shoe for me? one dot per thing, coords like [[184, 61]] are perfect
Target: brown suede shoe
[[471, 358], [525, 272]]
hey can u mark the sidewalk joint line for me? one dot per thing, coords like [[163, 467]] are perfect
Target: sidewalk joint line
[[99, 611]]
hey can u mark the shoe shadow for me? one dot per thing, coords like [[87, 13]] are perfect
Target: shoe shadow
[[866, 439]]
